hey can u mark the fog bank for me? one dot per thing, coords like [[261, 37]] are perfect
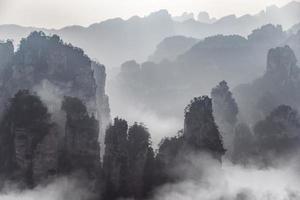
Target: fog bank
[[204, 178]]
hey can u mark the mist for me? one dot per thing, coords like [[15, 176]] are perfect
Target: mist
[[159, 126], [147, 100], [59, 189], [204, 178]]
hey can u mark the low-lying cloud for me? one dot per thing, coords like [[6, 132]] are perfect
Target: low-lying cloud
[[159, 126], [60, 189], [204, 178]]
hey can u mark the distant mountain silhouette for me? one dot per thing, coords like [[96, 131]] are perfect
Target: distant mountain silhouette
[[172, 47], [295, 28], [116, 40], [196, 71], [278, 85], [185, 16]]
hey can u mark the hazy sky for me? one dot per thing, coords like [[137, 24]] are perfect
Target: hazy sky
[[58, 13]]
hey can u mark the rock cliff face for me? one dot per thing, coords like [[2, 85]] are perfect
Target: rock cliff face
[[200, 130], [282, 65], [274, 139], [33, 148], [6, 53], [225, 112], [41, 59], [115, 158], [138, 148], [35, 164], [200, 135], [279, 85], [27, 135], [45, 162], [198, 68], [102, 100], [81, 138], [128, 161], [277, 136], [61, 136]]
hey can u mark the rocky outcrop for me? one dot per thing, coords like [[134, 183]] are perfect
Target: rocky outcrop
[[53, 69], [282, 65], [196, 69], [199, 136], [26, 137], [200, 131], [32, 148], [23, 154], [115, 159], [6, 53], [46, 154], [277, 136], [42, 58], [138, 148], [67, 140], [81, 138], [128, 161], [225, 112], [279, 85], [102, 101], [225, 109]]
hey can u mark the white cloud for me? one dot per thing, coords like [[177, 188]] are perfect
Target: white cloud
[[60, 189], [205, 179]]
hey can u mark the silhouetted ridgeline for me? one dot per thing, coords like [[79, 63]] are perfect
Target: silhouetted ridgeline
[[270, 106], [171, 47], [273, 139], [278, 85], [119, 40], [233, 58]]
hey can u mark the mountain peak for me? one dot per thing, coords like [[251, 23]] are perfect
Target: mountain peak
[[281, 63], [292, 4], [160, 14]]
